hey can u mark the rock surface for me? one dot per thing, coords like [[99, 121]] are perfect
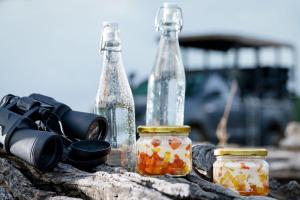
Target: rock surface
[[203, 160], [4, 194], [19, 180]]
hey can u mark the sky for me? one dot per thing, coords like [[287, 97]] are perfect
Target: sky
[[52, 46]]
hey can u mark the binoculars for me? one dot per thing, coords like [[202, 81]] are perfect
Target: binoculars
[[34, 128]]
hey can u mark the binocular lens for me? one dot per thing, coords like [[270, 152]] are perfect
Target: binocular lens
[[85, 126], [94, 131], [49, 153], [39, 148]]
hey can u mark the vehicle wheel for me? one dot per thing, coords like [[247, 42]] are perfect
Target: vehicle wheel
[[198, 134]]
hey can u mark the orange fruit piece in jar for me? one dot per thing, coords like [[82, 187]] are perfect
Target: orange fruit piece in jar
[[177, 166], [156, 156], [157, 170], [141, 160], [188, 147], [171, 170], [150, 165], [174, 143], [244, 166], [155, 142], [178, 162], [253, 188]]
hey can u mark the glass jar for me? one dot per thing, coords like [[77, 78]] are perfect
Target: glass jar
[[164, 150], [243, 170]]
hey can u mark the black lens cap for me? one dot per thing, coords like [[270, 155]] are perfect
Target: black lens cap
[[87, 164], [87, 154]]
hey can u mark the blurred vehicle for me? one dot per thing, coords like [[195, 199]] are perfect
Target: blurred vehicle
[[262, 106]]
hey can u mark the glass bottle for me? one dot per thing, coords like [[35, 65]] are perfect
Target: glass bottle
[[114, 100], [166, 84]]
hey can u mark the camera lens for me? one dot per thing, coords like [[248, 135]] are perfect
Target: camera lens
[[94, 131]]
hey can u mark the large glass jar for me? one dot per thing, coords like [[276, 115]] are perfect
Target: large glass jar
[[164, 150], [243, 170]]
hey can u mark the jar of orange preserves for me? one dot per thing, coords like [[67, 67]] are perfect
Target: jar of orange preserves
[[243, 170], [164, 150]]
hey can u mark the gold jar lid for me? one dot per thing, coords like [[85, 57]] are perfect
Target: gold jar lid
[[164, 130], [241, 152]]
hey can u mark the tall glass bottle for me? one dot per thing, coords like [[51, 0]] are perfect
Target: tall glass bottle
[[114, 100], [166, 85]]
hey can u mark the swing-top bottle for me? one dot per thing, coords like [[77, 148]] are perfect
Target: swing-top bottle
[[166, 85], [114, 100]]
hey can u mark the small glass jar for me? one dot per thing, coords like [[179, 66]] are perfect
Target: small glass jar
[[164, 150], [243, 170]]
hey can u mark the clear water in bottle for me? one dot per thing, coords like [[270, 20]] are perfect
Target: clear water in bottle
[[121, 135], [166, 106], [166, 85]]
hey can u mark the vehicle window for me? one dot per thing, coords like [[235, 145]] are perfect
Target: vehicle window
[[141, 89], [194, 81], [212, 95]]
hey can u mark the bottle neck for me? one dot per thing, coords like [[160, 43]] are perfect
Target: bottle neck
[[168, 47], [112, 57], [168, 44], [170, 35]]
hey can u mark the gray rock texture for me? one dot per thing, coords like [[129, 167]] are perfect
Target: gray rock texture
[[18, 180]]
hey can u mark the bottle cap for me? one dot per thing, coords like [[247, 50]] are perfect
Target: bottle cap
[[169, 17], [110, 39]]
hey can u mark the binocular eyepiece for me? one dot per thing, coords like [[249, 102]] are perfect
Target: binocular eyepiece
[[33, 128]]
